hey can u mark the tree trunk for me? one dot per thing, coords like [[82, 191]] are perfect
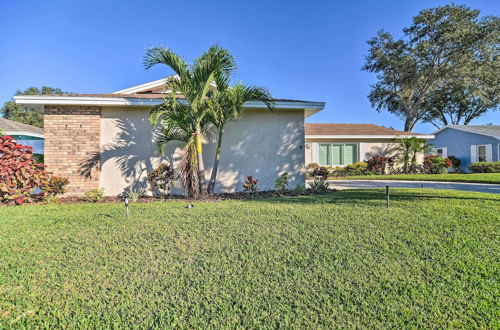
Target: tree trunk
[[201, 167], [409, 124], [213, 178]]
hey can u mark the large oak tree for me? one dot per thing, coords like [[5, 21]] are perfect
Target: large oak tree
[[446, 60]]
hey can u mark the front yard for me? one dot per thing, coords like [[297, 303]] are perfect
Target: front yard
[[449, 177], [338, 260]]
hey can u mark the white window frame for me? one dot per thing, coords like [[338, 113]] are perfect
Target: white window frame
[[485, 152], [338, 143], [444, 152]]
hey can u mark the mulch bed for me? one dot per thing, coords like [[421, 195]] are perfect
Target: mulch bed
[[212, 198]]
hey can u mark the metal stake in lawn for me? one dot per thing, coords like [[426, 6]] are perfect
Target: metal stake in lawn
[[126, 205], [387, 195]]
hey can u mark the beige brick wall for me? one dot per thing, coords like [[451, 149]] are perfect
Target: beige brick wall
[[72, 136]]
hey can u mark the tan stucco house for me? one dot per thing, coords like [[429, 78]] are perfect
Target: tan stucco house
[[343, 144], [112, 132]]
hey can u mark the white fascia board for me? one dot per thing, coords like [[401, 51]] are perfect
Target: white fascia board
[[23, 133], [138, 88], [117, 101], [426, 136], [466, 130]]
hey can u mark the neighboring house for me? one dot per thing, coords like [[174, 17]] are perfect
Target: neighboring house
[[469, 143], [343, 144], [113, 132], [24, 134]]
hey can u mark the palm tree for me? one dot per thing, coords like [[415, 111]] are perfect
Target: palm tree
[[227, 105], [195, 83], [406, 150]]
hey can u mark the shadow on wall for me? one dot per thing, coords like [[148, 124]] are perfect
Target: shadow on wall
[[382, 150], [264, 153], [131, 153]]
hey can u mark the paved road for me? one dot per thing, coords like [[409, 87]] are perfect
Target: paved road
[[362, 184]]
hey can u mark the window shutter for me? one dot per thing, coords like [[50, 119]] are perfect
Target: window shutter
[[445, 152], [473, 153], [349, 154], [336, 154], [324, 155], [489, 153], [315, 152]]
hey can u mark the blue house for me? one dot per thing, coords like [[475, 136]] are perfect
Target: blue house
[[469, 143], [24, 134]]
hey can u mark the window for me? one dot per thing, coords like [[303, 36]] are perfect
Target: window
[[439, 152], [337, 154], [481, 153]]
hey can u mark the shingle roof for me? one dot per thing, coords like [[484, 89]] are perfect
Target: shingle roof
[[479, 129], [7, 125], [352, 129]]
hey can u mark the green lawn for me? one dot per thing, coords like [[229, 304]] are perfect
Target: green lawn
[[339, 260], [450, 177]]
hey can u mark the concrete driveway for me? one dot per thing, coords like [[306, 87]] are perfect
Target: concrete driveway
[[363, 184]]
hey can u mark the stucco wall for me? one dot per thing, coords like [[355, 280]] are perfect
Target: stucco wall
[[261, 143], [458, 144]]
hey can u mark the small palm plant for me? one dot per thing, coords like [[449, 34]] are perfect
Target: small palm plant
[[406, 150], [195, 82]]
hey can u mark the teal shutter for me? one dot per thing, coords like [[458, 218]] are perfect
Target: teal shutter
[[350, 154], [336, 154], [324, 155]]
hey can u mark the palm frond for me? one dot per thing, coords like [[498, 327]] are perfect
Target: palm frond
[[160, 55]]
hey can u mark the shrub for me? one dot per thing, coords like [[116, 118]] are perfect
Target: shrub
[[20, 173], [133, 194], [281, 183], [299, 189], [455, 162], [311, 167], [56, 185], [379, 164], [435, 165], [358, 168], [94, 195], [322, 172], [319, 186], [161, 178], [485, 167], [250, 184]]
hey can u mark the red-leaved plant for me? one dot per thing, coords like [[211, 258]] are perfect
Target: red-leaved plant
[[250, 184], [20, 173]]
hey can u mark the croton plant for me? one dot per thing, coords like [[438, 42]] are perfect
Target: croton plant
[[20, 173]]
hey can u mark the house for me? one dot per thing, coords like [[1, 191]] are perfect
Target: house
[[343, 144], [24, 134], [469, 143], [106, 140]]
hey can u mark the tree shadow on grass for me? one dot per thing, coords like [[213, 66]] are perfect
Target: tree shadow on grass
[[370, 195]]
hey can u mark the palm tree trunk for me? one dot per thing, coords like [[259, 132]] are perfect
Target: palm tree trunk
[[201, 167], [213, 177]]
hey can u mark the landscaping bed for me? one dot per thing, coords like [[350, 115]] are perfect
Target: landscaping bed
[[336, 260], [492, 178]]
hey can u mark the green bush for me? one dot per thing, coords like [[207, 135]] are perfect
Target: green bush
[[56, 185], [94, 195], [299, 189], [455, 163], [319, 186], [358, 168], [485, 167], [281, 183]]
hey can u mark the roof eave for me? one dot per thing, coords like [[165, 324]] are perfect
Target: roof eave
[[465, 130], [362, 136], [118, 101]]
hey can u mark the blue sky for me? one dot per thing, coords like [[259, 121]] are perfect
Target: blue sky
[[311, 50]]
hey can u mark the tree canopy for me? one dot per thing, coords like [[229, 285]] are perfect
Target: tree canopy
[[26, 114], [445, 68]]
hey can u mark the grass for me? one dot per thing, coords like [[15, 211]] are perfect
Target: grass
[[339, 260], [450, 177]]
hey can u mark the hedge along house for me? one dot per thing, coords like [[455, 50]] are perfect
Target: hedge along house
[[343, 144], [24, 134], [106, 140], [469, 143]]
